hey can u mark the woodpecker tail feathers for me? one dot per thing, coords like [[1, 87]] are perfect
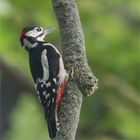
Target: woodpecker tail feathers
[[52, 127], [53, 124]]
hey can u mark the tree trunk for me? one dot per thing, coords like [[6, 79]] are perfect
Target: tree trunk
[[81, 80]]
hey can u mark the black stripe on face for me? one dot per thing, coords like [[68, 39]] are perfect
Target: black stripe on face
[[40, 34]]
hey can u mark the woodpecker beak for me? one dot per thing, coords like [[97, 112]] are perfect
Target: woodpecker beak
[[49, 30]]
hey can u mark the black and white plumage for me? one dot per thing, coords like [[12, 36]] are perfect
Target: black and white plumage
[[47, 70]]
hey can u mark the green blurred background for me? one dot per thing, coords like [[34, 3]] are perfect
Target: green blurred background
[[111, 29]]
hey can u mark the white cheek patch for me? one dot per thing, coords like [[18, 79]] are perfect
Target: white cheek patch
[[33, 33]]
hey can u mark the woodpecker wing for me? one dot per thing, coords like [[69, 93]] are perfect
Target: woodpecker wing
[[47, 82], [47, 97]]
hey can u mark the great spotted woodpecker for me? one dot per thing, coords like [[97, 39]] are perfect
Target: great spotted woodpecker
[[47, 69]]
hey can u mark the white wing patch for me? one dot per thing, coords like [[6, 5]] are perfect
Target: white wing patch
[[47, 95], [45, 66], [39, 98], [48, 84], [62, 72], [48, 103], [53, 90], [54, 79], [53, 99], [44, 93], [49, 44], [42, 85]]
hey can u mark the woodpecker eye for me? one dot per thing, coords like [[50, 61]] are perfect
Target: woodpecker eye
[[38, 29]]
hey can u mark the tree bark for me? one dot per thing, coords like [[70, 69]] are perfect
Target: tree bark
[[81, 80]]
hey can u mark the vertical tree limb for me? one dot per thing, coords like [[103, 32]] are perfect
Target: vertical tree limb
[[81, 80]]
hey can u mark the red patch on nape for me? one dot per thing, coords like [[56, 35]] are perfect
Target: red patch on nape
[[23, 32]]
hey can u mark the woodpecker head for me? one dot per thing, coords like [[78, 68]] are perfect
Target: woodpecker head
[[30, 35]]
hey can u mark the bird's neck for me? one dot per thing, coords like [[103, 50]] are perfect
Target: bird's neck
[[30, 43]]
